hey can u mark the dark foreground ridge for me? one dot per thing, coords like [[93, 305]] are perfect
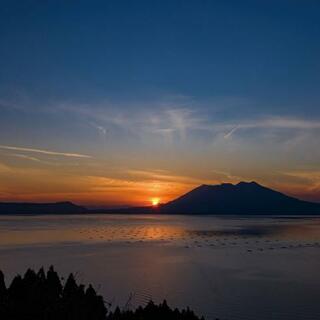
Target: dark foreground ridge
[[43, 296], [244, 198]]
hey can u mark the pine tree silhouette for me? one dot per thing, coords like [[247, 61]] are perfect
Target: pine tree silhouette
[[42, 296]]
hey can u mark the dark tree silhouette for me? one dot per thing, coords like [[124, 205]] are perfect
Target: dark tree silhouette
[[42, 296], [153, 312]]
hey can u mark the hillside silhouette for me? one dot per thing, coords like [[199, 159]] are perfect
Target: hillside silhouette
[[245, 198], [242, 198], [41, 208]]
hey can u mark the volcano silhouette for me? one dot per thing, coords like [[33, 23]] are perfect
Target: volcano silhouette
[[242, 198]]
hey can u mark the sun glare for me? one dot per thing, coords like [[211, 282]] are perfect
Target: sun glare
[[155, 201]]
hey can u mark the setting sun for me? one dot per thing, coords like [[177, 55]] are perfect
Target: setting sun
[[155, 201]]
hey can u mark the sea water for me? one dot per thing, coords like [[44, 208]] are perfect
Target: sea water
[[221, 267]]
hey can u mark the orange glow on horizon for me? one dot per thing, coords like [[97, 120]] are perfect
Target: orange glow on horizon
[[124, 188], [155, 201]]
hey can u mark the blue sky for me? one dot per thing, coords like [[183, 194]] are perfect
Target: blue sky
[[198, 90]]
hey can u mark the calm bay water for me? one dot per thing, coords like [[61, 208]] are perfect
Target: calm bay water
[[227, 268]]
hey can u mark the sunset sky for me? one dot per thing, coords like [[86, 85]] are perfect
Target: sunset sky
[[111, 103]]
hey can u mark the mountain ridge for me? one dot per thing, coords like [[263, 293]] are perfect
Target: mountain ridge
[[240, 198], [243, 198], [63, 207]]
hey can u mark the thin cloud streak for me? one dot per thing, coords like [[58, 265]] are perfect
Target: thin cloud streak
[[47, 152], [34, 159], [277, 123], [174, 118], [102, 130], [177, 119], [23, 156], [230, 133]]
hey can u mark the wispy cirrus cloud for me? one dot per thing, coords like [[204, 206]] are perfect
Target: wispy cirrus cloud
[[165, 176], [101, 129], [164, 118], [46, 152], [272, 123], [230, 133], [23, 156], [310, 176], [169, 117], [30, 158], [180, 119], [176, 119]]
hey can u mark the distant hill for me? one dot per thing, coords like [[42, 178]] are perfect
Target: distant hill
[[41, 208], [242, 198], [245, 198]]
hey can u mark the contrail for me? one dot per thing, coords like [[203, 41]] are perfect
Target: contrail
[[230, 133], [63, 154]]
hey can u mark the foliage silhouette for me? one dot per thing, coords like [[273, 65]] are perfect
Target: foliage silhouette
[[43, 296], [153, 312]]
